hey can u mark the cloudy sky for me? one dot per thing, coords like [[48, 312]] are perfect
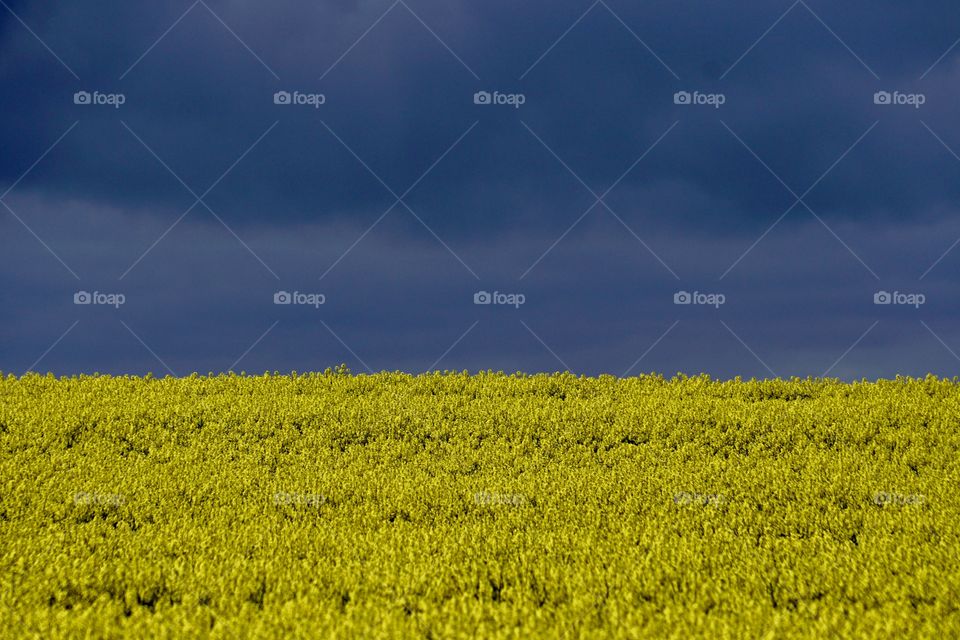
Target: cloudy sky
[[738, 188]]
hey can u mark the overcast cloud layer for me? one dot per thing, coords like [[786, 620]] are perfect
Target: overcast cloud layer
[[791, 166]]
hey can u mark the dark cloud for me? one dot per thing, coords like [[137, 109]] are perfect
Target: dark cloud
[[487, 190]]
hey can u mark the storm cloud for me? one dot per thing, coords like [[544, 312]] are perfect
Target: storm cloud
[[606, 162]]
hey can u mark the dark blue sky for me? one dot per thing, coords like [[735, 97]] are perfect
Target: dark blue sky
[[789, 162]]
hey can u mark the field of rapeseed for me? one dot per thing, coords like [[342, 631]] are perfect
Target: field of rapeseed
[[454, 505]]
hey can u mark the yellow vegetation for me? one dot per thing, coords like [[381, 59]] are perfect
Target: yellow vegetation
[[454, 505]]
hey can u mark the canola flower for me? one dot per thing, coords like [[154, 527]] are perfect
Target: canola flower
[[450, 505]]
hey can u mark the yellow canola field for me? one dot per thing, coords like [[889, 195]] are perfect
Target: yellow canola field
[[488, 505]]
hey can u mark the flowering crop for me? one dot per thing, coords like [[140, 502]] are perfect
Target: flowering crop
[[454, 505]]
